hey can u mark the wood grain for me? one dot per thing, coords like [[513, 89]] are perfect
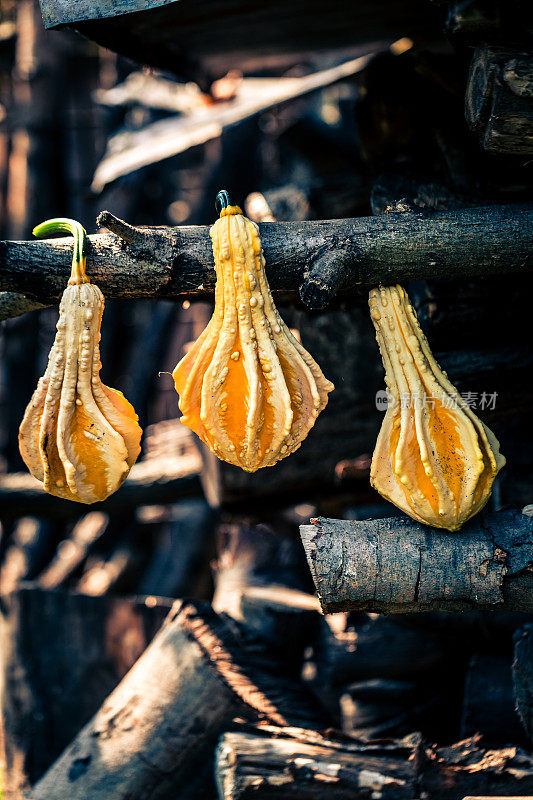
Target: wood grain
[[396, 565]]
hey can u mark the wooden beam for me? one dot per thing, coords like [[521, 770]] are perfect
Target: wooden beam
[[396, 565], [155, 263], [164, 481], [203, 40]]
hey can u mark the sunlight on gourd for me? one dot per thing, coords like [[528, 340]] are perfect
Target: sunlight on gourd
[[247, 387], [434, 458], [79, 437]]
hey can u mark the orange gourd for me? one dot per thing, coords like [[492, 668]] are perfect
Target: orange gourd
[[79, 437], [247, 387], [433, 458]]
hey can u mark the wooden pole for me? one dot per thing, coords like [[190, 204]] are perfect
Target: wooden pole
[[155, 263], [396, 565]]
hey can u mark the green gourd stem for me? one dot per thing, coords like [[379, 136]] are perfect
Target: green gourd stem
[[64, 225], [222, 200]]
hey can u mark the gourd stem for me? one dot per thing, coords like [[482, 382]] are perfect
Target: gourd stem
[[64, 225], [222, 200]]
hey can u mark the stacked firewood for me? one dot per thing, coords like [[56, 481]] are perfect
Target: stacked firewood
[[257, 692]]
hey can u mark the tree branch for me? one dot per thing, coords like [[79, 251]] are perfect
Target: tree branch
[[156, 263], [396, 565]]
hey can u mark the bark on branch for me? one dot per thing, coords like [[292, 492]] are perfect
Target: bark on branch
[[318, 258], [397, 565]]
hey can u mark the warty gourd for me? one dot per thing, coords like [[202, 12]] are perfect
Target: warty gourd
[[79, 437], [247, 387], [434, 458]]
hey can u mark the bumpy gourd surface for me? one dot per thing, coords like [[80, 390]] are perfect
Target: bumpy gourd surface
[[247, 387], [433, 458], [79, 437]]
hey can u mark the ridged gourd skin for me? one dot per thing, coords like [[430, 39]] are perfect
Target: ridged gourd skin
[[434, 458], [78, 437], [247, 387]]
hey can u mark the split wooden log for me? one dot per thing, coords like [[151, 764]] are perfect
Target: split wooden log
[[523, 676], [288, 764], [469, 768], [396, 565], [269, 762], [163, 262], [62, 654], [201, 43], [154, 736]]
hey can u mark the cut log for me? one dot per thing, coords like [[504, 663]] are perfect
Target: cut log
[[396, 565], [155, 734], [498, 101], [309, 767], [62, 654], [178, 262], [387, 677], [469, 768], [270, 762], [523, 677]]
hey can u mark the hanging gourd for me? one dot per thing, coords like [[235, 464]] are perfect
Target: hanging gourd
[[247, 387], [434, 458], [79, 437]]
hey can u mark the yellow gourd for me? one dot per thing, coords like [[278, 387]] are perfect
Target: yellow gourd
[[79, 437], [434, 458], [247, 387]]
